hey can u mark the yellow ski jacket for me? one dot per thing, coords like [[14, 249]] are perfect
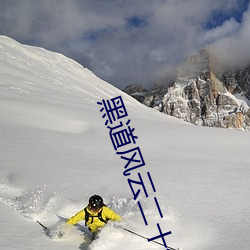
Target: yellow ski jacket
[[94, 223]]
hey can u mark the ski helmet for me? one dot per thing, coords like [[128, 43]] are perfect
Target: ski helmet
[[95, 202]]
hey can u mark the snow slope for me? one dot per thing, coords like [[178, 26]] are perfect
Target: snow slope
[[56, 151]]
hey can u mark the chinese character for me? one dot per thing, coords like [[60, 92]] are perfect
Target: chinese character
[[142, 213], [122, 137], [118, 110], [140, 183], [131, 159], [158, 207], [160, 236]]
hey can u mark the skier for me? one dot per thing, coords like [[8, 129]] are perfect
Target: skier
[[95, 214]]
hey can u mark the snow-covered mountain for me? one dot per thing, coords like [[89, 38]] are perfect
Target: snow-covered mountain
[[56, 152], [201, 95]]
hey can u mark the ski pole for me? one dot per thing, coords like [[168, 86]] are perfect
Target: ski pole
[[144, 237], [45, 228]]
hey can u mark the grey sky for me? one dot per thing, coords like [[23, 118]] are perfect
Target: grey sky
[[131, 41]]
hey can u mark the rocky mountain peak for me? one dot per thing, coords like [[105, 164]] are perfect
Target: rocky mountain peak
[[196, 64], [202, 97]]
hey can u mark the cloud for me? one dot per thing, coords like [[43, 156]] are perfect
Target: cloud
[[233, 49], [228, 28], [123, 42]]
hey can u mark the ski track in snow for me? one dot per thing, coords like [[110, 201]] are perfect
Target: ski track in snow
[[38, 204], [43, 117]]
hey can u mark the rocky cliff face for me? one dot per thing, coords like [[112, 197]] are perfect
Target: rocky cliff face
[[200, 96], [237, 81]]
